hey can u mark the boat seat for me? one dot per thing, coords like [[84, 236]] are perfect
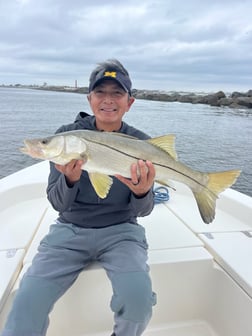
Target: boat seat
[[163, 223], [233, 251], [174, 232], [49, 218], [16, 232], [227, 218], [177, 255], [10, 265]]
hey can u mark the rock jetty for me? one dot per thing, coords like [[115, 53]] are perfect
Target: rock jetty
[[239, 100], [234, 100]]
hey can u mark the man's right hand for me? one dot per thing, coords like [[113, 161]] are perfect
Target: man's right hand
[[71, 170]]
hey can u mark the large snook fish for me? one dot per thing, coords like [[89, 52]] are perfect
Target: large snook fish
[[107, 153]]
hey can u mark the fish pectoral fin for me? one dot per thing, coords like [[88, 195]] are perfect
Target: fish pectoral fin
[[84, 157], [166, 143], [101, 183]]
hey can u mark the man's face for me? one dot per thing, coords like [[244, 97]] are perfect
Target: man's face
[[109, 102]]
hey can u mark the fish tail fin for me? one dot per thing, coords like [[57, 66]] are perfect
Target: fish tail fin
[[206, 197]]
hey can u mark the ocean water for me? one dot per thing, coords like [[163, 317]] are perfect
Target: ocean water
[[207, 138]]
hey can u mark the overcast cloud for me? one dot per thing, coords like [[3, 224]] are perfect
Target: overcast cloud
[[169, 45]]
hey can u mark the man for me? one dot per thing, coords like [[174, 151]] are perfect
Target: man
[[119, 244]]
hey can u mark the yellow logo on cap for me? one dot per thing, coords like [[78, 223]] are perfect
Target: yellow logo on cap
[[110, 74]]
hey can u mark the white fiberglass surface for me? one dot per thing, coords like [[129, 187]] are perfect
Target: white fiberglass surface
[[233, 211], [186, 328], [193, 298]]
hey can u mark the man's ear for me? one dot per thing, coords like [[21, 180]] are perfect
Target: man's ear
[[130, 102]]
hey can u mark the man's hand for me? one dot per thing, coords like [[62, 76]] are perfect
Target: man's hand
[[142, 177], [71, 170]]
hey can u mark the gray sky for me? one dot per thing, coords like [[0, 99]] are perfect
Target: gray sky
[[169, 45]]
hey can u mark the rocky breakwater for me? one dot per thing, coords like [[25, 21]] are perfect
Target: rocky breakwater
[[234, 100]]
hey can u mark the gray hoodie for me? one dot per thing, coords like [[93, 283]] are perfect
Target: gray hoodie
[[80, 204]]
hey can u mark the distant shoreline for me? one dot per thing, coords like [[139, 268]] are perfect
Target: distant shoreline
[[239, 100]]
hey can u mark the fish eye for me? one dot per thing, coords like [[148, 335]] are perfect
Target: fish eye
[[44, 141]]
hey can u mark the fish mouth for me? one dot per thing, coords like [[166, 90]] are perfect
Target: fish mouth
[[24, 150], [29, 149]]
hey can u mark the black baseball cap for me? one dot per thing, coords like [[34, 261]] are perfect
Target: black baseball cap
[[122, 79]]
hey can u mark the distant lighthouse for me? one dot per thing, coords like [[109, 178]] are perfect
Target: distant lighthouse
[[75, 84]]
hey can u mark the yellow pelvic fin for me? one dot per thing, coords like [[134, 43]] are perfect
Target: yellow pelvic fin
[[166, 143], [101, 183], [206, 198]]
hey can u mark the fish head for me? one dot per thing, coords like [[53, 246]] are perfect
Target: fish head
[[44, 148], [60, 148]]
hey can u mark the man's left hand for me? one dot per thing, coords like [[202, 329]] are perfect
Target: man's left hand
[[142, 177]]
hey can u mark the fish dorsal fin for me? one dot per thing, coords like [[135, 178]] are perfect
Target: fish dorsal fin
[[101, 183], [166, 143]]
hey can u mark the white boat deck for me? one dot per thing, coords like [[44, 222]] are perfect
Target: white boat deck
[[194, 266], [228, 250], [11, 263], [233, 212]]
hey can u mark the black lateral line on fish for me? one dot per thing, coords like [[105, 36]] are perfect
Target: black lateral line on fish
[[157, 164]]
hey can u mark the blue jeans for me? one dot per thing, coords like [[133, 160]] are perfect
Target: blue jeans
[[63, 254]]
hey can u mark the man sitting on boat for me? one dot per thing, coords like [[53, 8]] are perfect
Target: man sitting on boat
[[92, 229]]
